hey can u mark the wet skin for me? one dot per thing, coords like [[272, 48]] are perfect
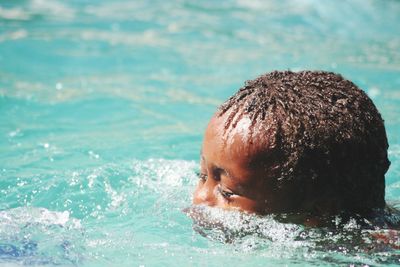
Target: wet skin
[[238, 172]]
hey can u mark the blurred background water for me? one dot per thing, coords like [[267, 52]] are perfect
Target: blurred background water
[[104, 103]]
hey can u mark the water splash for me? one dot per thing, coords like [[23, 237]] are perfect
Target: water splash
[[37, 236], [346, 241], [132, 211]]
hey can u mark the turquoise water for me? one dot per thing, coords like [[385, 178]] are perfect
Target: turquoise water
[[103, 106]]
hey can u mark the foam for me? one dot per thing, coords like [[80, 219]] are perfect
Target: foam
[[21, 215]]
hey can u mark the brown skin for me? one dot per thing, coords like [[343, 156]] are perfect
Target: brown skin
[[237, 173]]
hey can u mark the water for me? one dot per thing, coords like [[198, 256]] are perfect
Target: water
[[103, 106]]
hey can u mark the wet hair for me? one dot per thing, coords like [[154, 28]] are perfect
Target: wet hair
[[330, 136]]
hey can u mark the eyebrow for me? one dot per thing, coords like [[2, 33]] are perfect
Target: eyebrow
[[228, 173], [219, 168]]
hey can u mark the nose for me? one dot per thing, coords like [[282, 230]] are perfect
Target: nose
[[205, 194]]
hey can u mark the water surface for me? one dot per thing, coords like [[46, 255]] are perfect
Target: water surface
[[103, 106]]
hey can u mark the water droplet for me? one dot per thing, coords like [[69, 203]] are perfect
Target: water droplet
[[374, 92], [93, 155], [14, 133], [59, 86]]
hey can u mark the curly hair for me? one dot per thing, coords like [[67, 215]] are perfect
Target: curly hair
[[330, 134]]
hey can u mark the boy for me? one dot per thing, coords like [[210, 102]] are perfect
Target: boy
[[306, 142]]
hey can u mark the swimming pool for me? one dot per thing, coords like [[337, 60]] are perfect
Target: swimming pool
[[103, 108]]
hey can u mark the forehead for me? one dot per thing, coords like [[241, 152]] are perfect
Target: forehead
[[245, 143]]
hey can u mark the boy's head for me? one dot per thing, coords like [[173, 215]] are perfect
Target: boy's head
[[295, 142]]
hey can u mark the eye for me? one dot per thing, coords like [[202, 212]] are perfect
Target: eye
[[226, 194], [202, 176]]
